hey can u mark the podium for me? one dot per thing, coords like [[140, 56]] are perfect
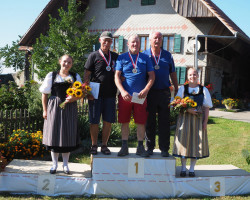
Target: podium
[[130, 176]]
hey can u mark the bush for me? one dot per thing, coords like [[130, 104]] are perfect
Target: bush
[[23, 145]]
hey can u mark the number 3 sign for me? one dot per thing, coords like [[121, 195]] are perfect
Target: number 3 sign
[[46, 185], [136, 168], [217, 186]]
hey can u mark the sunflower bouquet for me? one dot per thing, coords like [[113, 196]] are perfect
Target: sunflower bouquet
[[182, 104], [77, 90]]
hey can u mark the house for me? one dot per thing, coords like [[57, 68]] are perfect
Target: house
[[196, 32]]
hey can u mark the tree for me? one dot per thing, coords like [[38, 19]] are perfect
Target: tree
[[66, 35], [12, 57]]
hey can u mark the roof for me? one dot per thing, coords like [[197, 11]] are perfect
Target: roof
[[186, 8], [206, 8]]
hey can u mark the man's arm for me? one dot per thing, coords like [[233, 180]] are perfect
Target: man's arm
[[174, 80], [151, 79], [125, 95]]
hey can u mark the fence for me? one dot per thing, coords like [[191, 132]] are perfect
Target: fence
[[21, 119]]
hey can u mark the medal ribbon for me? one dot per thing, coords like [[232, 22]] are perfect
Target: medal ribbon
[[134, 64], [156, 61], [104, 58]]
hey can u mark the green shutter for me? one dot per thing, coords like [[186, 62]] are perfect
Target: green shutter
[[177, 69], [112, 3], [120, 45], [182, 75], [109, 3], [97, 46], [177, 43], [144, 2], [151, 2], [115, 3]]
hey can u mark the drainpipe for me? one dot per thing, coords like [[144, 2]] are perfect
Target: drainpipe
[[208, 36]]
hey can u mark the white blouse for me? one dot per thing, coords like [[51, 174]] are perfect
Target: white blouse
[[207, 102], [47, 83]]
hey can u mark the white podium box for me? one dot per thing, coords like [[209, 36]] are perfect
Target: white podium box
[[132, 176], [124, 177]]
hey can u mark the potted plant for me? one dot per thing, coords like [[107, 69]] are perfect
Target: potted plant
[[230, 103], [216, 102]]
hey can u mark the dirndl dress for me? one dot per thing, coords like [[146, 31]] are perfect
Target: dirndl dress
[[60, 129], [191, 140]]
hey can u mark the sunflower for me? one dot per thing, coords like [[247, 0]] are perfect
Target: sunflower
[[88, 88], [194, 104], [70, 92], [78, 93], [77, 84]]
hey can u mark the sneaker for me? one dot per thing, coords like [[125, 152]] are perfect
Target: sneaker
[[141, 152], [123, 151], [164, 154], [150, 151]]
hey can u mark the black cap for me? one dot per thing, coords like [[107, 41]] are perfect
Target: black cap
[[106, 34]]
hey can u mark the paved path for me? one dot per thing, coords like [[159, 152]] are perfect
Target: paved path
[[243, 116]]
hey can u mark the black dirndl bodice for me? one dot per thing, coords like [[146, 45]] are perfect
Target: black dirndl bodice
[[198, 98]]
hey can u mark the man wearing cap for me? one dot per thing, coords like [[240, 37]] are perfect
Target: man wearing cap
[[159, 95], [99, 68], [134, 67]]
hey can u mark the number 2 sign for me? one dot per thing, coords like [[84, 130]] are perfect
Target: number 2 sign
[[46, 185]]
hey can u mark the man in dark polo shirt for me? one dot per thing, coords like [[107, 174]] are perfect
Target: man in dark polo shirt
[[99, 68]]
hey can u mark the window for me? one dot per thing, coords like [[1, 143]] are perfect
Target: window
[[147, 2], [168, 43], [114, 46], [112, 3], [144, 42], [117, 45]]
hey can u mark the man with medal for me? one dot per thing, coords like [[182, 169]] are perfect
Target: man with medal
[[137, 74], [99, 68], [159, 95]]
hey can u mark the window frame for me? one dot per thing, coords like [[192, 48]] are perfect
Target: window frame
[[168, 42], [146, 39], [148, 3], [115, 49]]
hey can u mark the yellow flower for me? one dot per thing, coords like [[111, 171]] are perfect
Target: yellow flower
[[78, 93], [177, 97], [194, 104], [70, 92], [88, 88], [77, 84]]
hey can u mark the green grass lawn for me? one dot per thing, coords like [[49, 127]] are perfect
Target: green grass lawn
[[227, 139]]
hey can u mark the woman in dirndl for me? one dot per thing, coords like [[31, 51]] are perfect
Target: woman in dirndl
[[60, 124], [191, 131]]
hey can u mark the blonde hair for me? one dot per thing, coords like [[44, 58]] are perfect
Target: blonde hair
[[66, 55]]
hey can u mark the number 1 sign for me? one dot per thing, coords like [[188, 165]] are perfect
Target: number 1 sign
[[136, 167]]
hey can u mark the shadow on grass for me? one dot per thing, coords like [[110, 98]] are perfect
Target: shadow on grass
[[211, 120]]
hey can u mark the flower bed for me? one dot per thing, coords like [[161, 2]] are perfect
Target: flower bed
[[23, 145]]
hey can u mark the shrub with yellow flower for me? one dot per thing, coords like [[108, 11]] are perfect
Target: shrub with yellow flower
[[216, 102], [77, 90], [23, 145], [182, 104]]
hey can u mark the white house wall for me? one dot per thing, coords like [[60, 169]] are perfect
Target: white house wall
[[130, 18]]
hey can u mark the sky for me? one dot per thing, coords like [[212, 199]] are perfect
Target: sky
[[17, 16]]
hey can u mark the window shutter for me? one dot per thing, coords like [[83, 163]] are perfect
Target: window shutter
[[182, 75], [151, 2], [177, 43], [177, 69], [109, 3], [115, 3], [97, 46], [144, 2], [120, 44]]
